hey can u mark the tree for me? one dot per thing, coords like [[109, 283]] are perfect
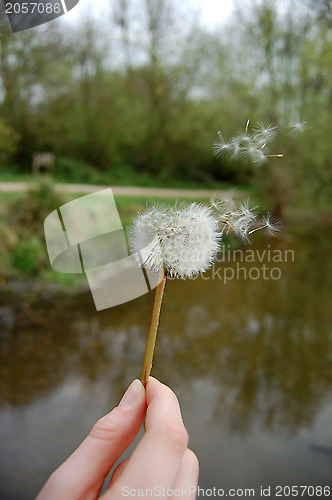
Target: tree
[[27, 61], [8, 141]]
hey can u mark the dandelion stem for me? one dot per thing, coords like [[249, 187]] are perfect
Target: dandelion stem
[[152, 335]]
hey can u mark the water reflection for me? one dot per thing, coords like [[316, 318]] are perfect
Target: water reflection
[[250, 359]]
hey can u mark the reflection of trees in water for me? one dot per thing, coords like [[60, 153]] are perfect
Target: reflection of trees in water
[[265, 344], [68, 341]]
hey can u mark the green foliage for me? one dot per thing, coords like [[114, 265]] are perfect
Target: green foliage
[[28, 256], [71, 170], [29, 211], [8, 141], [116, 111], [12, 172], [8, 238], [23, 249]]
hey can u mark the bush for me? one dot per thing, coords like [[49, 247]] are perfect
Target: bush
[[71, 170], [30, 210], [29, 255]]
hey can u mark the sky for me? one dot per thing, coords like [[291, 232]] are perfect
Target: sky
[[213, 12]]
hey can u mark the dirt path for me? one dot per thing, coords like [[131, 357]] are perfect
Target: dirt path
[[121, 190]]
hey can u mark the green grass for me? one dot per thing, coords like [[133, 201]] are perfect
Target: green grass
[[23, 254], [5, 197], [10, 174]]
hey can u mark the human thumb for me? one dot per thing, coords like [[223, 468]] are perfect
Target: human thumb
[[86, 469]]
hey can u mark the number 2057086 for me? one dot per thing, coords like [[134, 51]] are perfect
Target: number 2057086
[[33, 8], [300, 491]]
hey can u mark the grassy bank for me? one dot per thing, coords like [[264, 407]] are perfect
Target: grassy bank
[[23, 254]]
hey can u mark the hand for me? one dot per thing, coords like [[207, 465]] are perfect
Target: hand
[[161, 461]]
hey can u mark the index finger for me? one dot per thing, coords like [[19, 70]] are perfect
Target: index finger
[[157, 458]]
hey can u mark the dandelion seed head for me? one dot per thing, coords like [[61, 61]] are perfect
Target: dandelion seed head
[[183, 241]]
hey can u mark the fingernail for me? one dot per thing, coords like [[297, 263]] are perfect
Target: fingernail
[[130, 396]]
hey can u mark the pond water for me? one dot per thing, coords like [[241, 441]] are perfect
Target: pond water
[[250, 359]]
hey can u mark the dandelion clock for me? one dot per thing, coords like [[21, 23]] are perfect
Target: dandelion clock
[[182, 242]]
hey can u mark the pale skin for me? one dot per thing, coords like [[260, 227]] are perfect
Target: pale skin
[[161, 459]]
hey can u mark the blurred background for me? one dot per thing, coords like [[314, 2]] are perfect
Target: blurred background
[[132, 93]]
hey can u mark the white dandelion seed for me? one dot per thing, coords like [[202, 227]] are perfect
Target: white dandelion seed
[[219, 148], [266, 223], [184, 242], [254, 154], [222, 205], [248, 146], [264, 134], [248, 211], [239, 220], [235, 147], [222, 147], [274, 227], [245, 141], [297, 129]]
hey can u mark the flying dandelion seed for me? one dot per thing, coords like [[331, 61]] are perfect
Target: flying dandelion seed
[[238, 220], [272, 227], [297, 128], [262, 133], [248, 146], [254, 154], [222, 147], [235, 145]]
